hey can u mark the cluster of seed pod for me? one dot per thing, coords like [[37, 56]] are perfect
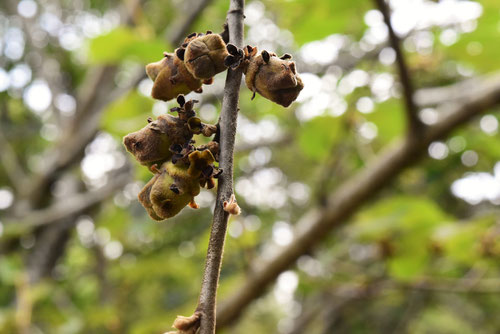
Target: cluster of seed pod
[[166, 145], [202, 56], [180, 169]]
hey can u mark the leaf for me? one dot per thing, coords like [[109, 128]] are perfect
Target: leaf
[[311, 20], [462, 241], [407, 267], [483, 39], [389, 119], [127, 114], [407, 215], [124, 43], [318, 135]]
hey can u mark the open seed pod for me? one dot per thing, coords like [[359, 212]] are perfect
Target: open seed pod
[[274, 78]]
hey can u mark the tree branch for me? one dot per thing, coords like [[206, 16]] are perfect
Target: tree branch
[[11, 165], [228, 118], [315, 225], [414, 123], [66, 207]]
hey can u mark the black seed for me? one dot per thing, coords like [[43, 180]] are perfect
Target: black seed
[[180, 53], [229, 60], [232, 49], [265, 56], [181, 100]]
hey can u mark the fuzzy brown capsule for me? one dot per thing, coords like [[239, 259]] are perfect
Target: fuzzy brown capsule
[[204, 55], [175, 185], [157, 141], [274, 78], [151, 145], [171, 78]]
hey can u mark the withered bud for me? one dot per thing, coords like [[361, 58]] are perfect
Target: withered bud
[[196, 126], [213, 146], [187, 325], [231, 206], [198, 161], [274, 78]]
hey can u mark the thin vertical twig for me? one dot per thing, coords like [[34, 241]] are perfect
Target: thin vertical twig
[[228, 120], [414, 124]]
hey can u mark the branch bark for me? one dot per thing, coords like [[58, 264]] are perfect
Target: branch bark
[[414, 123], [228, 120], [315, 225]]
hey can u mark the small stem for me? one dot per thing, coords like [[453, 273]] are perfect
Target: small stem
[[228, 120]]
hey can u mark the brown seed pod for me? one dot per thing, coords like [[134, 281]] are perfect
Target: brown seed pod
[[145, 200], [171, 78], [151, 145], [204, 55], [175, 185], [274, 78], [157, 142]]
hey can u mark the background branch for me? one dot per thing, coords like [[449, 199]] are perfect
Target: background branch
[[414, 123], [315, 225], [66, 207], [228, 118]]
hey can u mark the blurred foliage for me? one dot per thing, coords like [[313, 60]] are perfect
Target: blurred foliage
[[120, 272]]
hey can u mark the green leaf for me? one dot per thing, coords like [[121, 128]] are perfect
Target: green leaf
[[311, 20], [124, 43], [389, 119], [462, 241], [127, 114], [407, 267], [483, 40], [318, 135], [410, 216]]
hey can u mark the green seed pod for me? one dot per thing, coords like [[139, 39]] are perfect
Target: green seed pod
[[175, 185], [145, 200]]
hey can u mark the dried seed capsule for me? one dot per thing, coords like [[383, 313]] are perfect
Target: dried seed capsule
[[167, 135], [274, 78], [171, 78], [152, 143], [204, 56], [175, 185]]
